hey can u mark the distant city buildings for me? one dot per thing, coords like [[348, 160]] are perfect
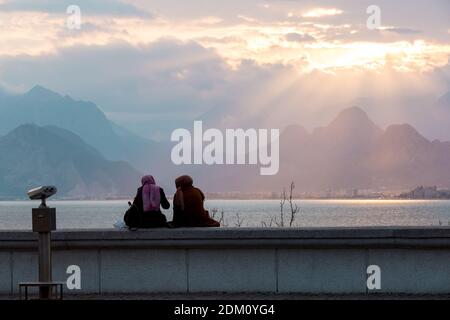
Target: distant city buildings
[[426, 193], [422, 192]]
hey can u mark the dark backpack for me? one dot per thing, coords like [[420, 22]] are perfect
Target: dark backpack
[[132, 216]]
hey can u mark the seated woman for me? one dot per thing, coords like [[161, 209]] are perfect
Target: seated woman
[[188, 210], [148, 200]]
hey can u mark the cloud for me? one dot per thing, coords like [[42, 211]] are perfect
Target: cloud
[[247, 19], [247, 67], [259, 35], [166, 78], [322, 12], [150, 88], [210, 20], [92, 7], [404, 31], [155, 88], [297, 37]]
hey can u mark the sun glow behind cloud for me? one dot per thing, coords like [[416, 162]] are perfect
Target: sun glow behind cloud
[[317, 46], [250, 62]]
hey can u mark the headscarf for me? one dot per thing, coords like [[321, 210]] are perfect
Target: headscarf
[[150, 194], [180, 183]]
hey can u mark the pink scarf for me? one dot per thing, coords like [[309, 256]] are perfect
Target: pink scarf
[[150, 194]]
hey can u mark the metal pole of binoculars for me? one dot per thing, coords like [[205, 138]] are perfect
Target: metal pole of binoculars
[[44, 221], [45, 263]]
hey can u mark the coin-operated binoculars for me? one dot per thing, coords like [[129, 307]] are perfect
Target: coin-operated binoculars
[[44, 222]]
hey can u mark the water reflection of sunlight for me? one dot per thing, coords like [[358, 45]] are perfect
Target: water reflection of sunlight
[[380, 202]]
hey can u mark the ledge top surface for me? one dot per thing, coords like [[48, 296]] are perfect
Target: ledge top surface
[[237, 233]]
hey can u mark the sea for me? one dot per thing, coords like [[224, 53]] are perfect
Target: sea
[[16, 215]]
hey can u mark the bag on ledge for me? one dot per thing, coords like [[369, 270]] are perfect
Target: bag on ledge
[[132, 217]]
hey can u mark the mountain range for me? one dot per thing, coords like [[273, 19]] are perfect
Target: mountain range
[[53, 139], [353, 152], [428, 114], [31, 156], [44, 107]]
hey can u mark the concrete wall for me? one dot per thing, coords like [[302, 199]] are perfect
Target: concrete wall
[[333, 260]]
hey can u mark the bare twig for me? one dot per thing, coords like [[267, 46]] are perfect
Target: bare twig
[[223, 222], [277, 223], [268, 225], [282, 203], [294, 207], [214, 213], [239, 220]]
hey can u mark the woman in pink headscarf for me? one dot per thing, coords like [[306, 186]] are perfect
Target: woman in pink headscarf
[[149, 198]]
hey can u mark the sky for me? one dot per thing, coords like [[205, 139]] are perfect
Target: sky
[[152, 65]]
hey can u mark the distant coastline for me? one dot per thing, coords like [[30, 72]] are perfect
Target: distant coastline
[[419, 193], [126, 199]]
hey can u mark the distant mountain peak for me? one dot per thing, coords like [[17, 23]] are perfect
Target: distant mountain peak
[[353, 120], [29, 131], [39, 88], [33, 155], [25, 129], [39, 92], [405, 133], [296, 130], [405, 129], [354, 113], [26, 126]]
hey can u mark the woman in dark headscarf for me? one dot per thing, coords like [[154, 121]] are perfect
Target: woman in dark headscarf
[[149, 198], [188, 210]]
